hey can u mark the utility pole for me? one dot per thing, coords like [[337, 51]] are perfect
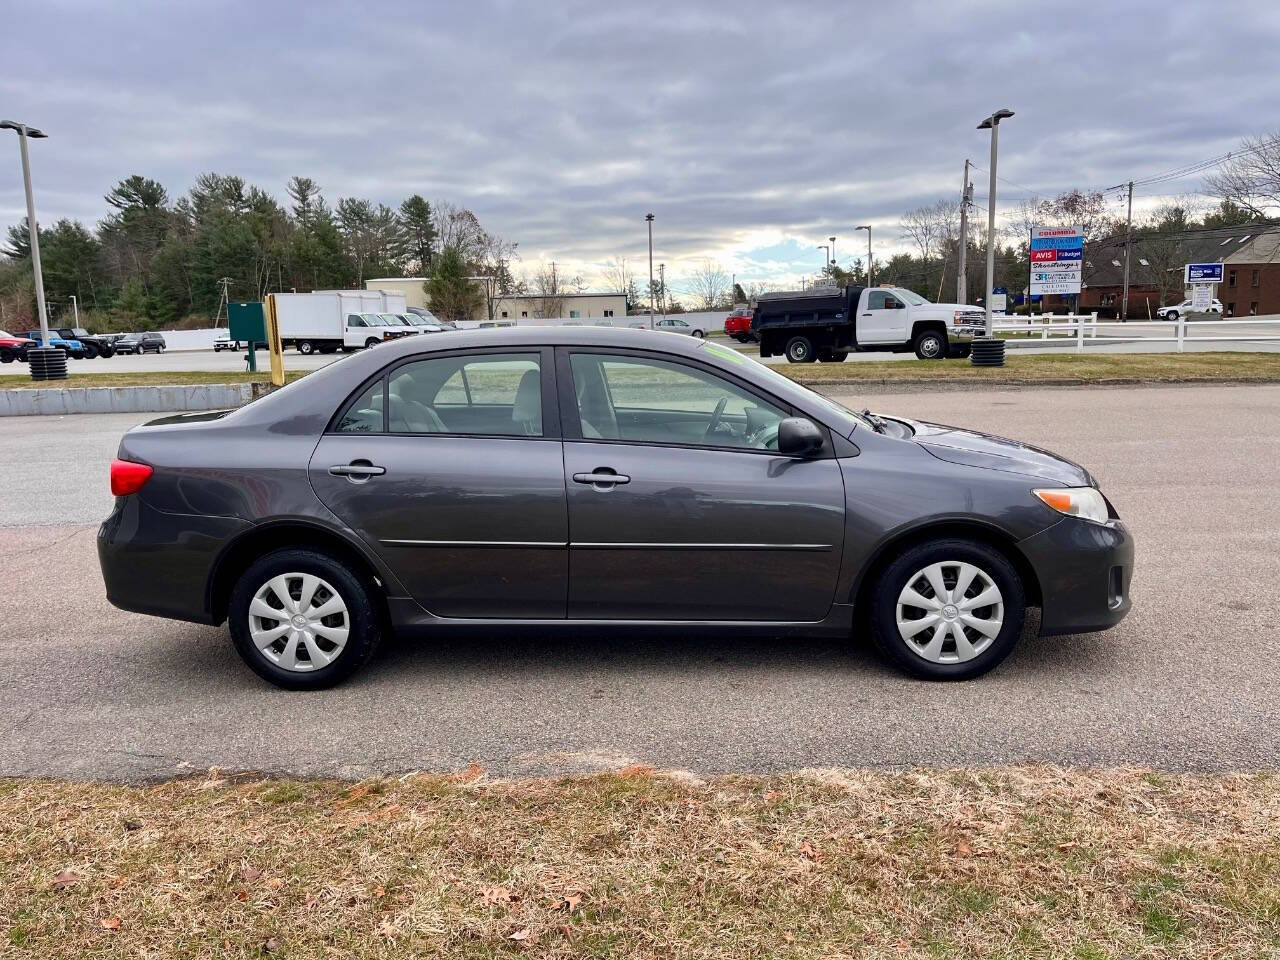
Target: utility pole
[[223, 301], [966, 197], [662, 285], [1128, 243], [649, 220]]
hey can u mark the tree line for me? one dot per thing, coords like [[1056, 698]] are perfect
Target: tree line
[[153, 262]]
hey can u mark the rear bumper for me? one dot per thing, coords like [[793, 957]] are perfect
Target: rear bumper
[[1085, 570], [159, 563]]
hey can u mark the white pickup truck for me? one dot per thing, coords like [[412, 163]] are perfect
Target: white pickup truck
[[829, 324]]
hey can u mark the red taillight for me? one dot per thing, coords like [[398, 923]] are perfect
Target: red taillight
[[128, 477]]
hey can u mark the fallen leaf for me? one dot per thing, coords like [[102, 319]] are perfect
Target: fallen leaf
[[496, 895], [473, 772], [903, 945], [565, 931], [570, 902], [636, 770], [1069, 845], [110, 923], [379, 891], [249, 874], [242, 895], [963, 849], [772, 795], [522, 934], [275, 883], [63, 880], [271, 945], [810, 851], [789, 937]]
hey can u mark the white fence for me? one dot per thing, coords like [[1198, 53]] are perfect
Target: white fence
[[1081, 326]]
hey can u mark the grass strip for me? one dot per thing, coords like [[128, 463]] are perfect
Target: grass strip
[[1010, 862]]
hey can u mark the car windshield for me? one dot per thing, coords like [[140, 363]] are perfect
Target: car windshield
[[769, 377], [374, 319], [391, 320], [912, 298]]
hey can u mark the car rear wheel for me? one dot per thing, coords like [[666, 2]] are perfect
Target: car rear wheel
[[303, 620], [948, 610], [371, 342], [6, 355], [800, 350], [306, 347], [700, 334], [931, 345]]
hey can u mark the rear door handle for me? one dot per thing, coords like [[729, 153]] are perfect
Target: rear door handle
[[357, 471], [601, 478]]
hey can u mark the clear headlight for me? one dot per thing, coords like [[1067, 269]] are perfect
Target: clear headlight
[[1084, 502]]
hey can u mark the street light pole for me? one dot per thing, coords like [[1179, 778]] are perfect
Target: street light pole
[[833, 249], [33, 231], [867, 227], [648, 217], [992, 123]]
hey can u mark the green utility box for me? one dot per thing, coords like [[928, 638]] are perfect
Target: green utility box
[[247, 322]]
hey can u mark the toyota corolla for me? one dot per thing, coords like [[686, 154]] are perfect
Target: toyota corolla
[[541, 478]]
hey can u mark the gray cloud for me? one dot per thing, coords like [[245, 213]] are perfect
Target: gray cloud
[[739, 125]]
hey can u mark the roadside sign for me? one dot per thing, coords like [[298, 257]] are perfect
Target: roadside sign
[[1057, 256], [1201, 298], [999, 300], [1203, 273]]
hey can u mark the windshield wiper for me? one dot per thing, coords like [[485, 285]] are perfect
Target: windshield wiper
[[877, 423]]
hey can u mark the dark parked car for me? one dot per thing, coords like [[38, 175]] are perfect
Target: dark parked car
[[94, 346], [543, 477], [140, 343]]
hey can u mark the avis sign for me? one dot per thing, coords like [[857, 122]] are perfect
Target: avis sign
[[1057, 256]]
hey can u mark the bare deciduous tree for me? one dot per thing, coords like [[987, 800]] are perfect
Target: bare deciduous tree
[[1251, 178], [709, 285], [549, 287]]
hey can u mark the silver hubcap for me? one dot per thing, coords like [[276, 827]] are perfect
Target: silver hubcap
[[949, 612], [930, 347], [298, 622]]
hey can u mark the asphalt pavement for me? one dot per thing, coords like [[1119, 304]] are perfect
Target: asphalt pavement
[[1190, 681]]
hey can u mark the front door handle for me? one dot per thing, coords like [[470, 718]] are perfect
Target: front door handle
[[357, 471], [602, 478]]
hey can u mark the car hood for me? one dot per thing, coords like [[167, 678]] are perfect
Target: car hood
[[974, 449]]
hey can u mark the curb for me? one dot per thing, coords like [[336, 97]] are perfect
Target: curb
[[896, 383], [54, 401]]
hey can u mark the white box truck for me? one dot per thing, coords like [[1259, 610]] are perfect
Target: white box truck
[[330, 320]]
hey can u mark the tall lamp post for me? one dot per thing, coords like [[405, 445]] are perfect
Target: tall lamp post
[[833, 249], [648, 218], [49, 363], [867, 227], [990, 351]]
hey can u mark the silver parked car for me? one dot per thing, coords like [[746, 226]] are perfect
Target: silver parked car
[[537, 477]]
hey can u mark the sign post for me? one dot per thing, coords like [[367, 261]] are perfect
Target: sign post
[[1057, 259], [1201, 277], [273, 342]]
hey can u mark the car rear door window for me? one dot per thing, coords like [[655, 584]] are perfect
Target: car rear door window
[[646, 400], [495, 394]]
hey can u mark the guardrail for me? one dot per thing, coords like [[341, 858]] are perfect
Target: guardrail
[[1076, 325]]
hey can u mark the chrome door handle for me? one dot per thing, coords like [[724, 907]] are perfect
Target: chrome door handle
[[601, 479]]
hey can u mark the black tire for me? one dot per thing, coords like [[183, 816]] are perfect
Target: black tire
[[895, 577], [108, 351], [306, 347], [930, 345], [364, 623], [371, 342], [7, 355], [800, 350], [1171, 315], [90, 352], [700, 335]]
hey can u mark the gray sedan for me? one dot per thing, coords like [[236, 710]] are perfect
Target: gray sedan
[[533, 478]]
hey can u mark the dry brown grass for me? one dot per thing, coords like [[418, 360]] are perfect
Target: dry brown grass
[[1004, 863]]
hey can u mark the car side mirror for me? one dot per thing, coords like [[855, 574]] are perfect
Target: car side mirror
[[799, 437]]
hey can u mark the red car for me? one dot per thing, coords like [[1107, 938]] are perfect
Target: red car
[[13, 348], [738, 325]]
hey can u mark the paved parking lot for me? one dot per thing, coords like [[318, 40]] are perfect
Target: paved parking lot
[[1191, 680]]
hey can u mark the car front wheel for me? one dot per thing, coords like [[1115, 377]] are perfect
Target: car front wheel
[[302, 620], [947, 610], [1171, 315]]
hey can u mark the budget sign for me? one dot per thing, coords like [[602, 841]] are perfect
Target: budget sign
[[1057, 255]]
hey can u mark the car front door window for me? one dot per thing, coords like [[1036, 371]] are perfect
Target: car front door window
[[645, 400]]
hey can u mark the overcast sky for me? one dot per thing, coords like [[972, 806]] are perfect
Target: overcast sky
[[752, 130]]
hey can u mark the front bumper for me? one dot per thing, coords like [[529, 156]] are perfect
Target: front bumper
[[1085, 570], [963, 334], [160, 563]]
